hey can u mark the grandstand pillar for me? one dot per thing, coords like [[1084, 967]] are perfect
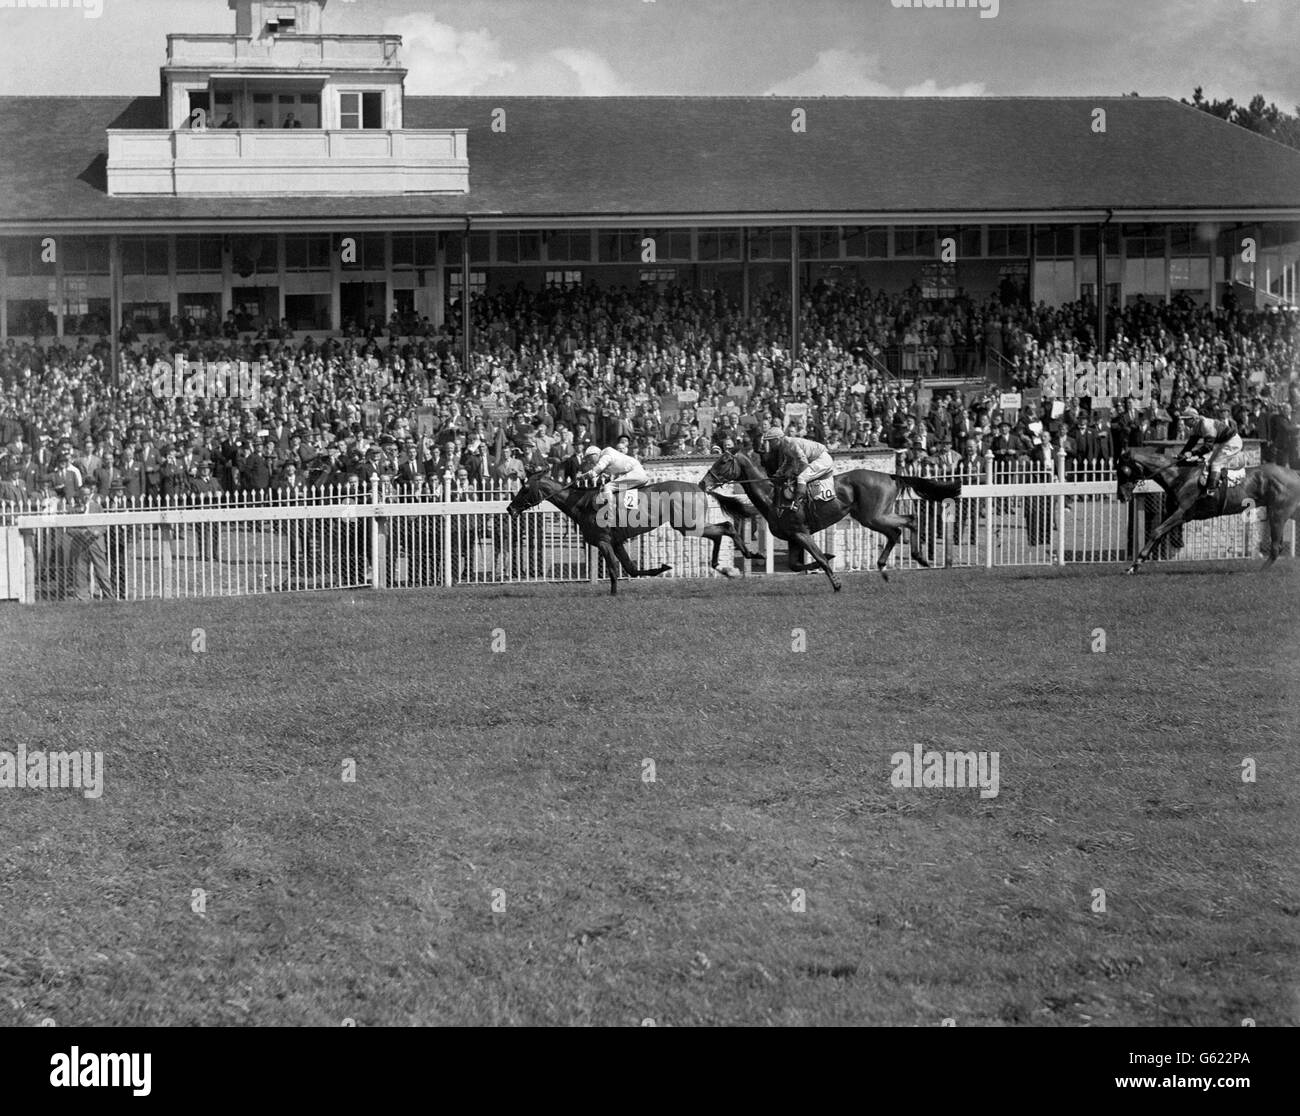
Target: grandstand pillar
[[439, 281], [114, 301], [794, 292], [1101, 289], [465, 322], [744, 271]]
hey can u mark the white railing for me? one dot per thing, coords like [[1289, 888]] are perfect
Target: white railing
[[294, 540]]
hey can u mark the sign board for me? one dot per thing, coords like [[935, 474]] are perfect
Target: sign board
[[668, 405], [425, 421], [1167, 390], [1058, 408], [688, 396], [429, 401], [704, 415], [1257, 376], [796, 412], [496, 412], [740, 394], [924, 396], [1032, 397], [1009, 401], [1213, 382]]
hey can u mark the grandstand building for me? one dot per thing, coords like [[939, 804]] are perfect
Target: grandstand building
[[283, 174]]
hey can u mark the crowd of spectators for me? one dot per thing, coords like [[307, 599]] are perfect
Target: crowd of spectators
[[673, 372]]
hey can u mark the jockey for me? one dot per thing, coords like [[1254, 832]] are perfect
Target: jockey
[[1217, 440], [623, 470], [800, 458]]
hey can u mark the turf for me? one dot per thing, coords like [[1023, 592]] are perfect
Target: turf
[[626, 900]]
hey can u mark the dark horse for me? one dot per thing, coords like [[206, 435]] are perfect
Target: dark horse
[[864, 494], [1266, 486], [676, 504]]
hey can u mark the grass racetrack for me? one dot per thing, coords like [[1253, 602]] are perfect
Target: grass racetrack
[[625, 900]]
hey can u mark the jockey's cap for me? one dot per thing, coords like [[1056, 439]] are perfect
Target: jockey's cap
[[592, 451], [774, 433]]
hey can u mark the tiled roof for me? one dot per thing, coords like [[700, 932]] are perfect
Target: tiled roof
[[626, 156]]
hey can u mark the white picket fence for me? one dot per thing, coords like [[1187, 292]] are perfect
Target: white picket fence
[[273, 543]]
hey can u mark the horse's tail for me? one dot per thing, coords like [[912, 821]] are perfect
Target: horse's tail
[[928, 489], [735, 508]]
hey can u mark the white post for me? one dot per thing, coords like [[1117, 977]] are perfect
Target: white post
[[988, 511], [1060, 508], [446, 530]]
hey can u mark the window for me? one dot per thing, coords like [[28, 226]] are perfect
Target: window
[[144, 255], [84, 255], [568, 244], [202, 306], [23, 257], [563, 279], [719, 244], [914, 241], [199, 100], [147, 317], [92, 317], [938, 280], [307, 311], [670, 244], [1088, 240], [658, 277], [1054, 242], [30, 316], [619, 246], [306, 252], [819, 244], [361, 110], [1008, 240], [866, 242], [769, 244], [370, 253], [415, 249], [477, 284], [198, 254], [519, 247]]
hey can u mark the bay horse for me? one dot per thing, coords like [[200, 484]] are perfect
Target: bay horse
[[676, 504], [865, 494], [1270, 486]]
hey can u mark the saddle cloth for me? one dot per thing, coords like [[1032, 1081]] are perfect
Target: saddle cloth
[[823, 488], [1236, 477]]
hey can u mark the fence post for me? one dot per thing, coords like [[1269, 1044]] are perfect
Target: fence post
[[29, 566], [988, 511], [446, 530], [769, 562], [378, 538], [1060, 507]]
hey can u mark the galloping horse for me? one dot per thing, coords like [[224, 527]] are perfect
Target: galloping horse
[[1266, 486], [864, 494], [676, 504]]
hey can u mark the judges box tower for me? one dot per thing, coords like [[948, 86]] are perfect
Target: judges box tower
[[281, 107]]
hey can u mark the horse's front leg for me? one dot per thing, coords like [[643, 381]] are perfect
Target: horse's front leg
[[606, 549], [1168, 525], [819, 559]]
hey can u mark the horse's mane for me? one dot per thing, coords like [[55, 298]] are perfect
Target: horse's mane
[[1148, 459]]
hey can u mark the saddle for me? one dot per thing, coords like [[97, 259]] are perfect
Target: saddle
[[816, 510]]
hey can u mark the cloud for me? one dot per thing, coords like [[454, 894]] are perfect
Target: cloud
[[850, 73], [443, 60], [596, 77]]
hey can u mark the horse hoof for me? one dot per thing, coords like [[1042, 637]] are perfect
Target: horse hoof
[[837, 585], [1131, 570]]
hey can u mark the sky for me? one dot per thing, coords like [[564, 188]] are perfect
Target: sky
[[1233, 48]]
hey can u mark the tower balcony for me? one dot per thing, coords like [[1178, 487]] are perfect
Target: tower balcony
[[280, 52], [268, 161]]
